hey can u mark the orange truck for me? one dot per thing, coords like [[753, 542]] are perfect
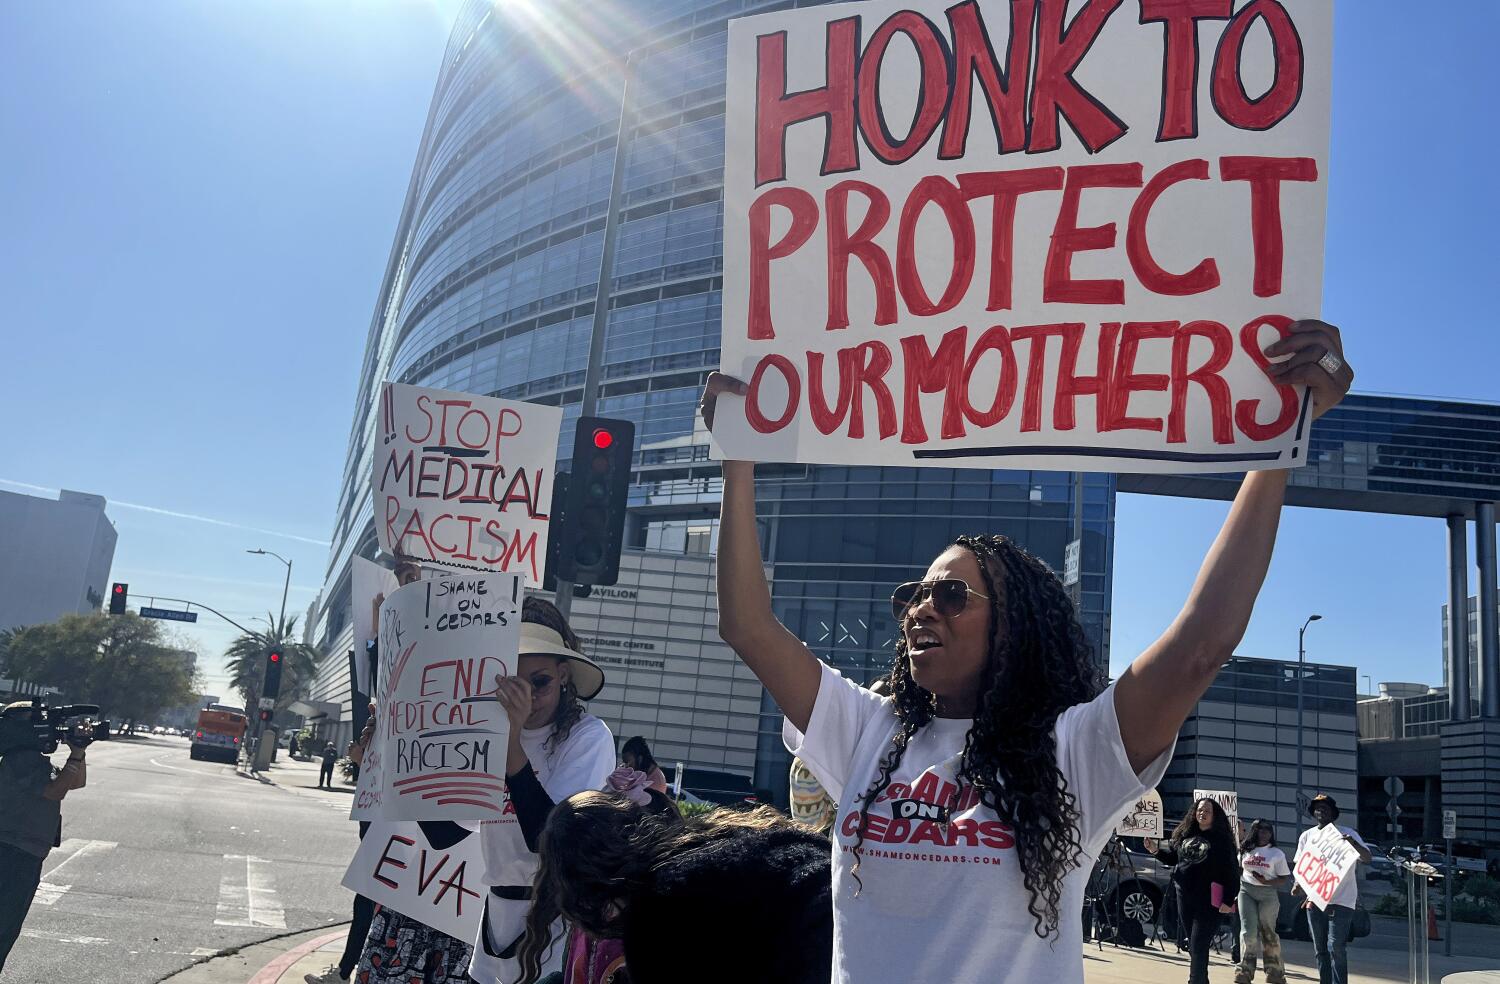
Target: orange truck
[[220, 733]]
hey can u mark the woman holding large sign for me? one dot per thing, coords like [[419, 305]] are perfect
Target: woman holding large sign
[[556, 749], [973, 798]]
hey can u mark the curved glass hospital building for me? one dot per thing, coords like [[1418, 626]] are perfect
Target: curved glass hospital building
[[490, 289]]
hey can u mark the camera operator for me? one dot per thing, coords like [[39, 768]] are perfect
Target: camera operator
[[31, 794]]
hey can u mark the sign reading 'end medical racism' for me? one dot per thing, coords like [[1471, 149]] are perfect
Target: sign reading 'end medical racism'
[[1031, 234], [464, 481]]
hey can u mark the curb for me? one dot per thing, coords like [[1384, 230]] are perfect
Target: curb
[[271, 972]]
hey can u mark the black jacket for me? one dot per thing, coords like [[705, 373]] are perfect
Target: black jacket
[[755, 908], [1200, 861]]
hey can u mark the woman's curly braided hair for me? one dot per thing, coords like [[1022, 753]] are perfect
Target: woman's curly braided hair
[[1040, 664]]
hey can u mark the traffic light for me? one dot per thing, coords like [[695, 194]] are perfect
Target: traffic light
[[593, 519], [265, 715], [117, 596], [272, 685]]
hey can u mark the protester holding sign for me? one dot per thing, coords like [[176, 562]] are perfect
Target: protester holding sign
[[556, 749], [733, 897], [1265, 872], [1205, 872], [996, 747], [1327, 877]]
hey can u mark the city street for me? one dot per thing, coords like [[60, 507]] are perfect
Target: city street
[[166, 860]]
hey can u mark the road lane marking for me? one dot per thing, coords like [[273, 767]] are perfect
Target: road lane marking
[[247, 894], [48, 892], [37, 934]]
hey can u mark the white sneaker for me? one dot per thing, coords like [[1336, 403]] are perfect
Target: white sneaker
[[329, 976]]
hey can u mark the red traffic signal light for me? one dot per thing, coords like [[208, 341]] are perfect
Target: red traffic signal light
[[117, 597], [584, 545], [271, 686], [275, 657], [265, 715], [603, 438]]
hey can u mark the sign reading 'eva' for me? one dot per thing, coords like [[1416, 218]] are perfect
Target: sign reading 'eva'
[[464, 481], [1033, 234]]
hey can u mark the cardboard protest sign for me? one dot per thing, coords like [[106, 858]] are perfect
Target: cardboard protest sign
[[438, 751], [464, 481], [440, 885], [367, 581], [1229, 802], [1144, 818], [1035, 234], [1324, 860]]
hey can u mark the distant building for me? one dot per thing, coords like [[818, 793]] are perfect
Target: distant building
[[1475, 670], [1242, 736], [57, 556], [1400, 737]]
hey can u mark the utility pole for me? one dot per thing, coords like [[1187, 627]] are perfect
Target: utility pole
[[1301, 675]]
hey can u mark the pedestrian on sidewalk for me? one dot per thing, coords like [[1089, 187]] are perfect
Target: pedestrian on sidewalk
[[325, 774], [1204, 874], [291, 745], [733, 896], [1330, 925], [1265, 873], [974, 798], [556, 749]]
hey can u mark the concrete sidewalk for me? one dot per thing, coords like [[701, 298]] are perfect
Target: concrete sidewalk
[[302, 777], [287, 959]]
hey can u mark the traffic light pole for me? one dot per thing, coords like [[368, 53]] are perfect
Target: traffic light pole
[[564, 598]]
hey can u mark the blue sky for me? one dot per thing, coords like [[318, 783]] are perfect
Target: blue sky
[[199, 198]]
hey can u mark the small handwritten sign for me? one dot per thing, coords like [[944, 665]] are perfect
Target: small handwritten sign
[[1144, 819], [1324, 860], [438, 884]]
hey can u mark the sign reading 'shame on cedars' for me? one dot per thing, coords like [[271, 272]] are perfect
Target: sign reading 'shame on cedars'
[[1033, 234], [464, 481], [438, 751]]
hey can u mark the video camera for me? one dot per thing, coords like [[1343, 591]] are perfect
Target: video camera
[[42, 728]]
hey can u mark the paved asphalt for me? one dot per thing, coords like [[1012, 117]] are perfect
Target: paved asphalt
[[165, 860]]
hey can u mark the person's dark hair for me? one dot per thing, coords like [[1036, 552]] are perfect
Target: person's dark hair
[[1040, 664], [540, 611], [644, 760], [599, 849], [1251, 843], [1218, 830]]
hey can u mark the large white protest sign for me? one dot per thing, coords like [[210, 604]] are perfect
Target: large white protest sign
[[438, 884], [367, 581], [1144, 819], [1229, 802], [438, 751], [464, 481], [1324, 860], [1035, 234]]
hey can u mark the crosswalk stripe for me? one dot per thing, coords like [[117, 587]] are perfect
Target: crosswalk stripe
[[49, 891], [247, 894]]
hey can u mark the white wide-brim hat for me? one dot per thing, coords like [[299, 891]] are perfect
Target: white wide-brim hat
[[539, 640]]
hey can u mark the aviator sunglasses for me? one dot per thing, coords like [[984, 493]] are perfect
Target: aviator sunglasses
[[949, 596]]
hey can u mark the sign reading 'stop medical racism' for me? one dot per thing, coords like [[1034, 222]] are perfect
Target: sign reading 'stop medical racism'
[[464, 481], [1035, 233]]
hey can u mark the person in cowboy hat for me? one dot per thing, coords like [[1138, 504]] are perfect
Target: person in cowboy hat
[[556, 749], [1330, 925]]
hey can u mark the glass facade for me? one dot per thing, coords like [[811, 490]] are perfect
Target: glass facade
[[490, 289]]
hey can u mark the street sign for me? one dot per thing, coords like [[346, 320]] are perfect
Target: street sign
[[170, 614], [1070, 562], [1394, 786], [268, 703], [1450, 824]]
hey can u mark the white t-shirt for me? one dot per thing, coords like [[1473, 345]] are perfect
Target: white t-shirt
[[1268, 862], [1348, 892], [581, 762], [946, 902]]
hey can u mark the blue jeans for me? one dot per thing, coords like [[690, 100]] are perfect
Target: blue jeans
[[1330, 939]]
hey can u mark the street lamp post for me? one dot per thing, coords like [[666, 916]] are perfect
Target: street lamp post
[[280, 625], [1301, 674], [285, 584]]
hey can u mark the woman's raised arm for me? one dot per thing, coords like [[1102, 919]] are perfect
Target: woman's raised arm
[[1157, 692], [746, 622]]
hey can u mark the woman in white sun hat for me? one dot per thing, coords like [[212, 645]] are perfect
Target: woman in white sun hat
[[556, 749]]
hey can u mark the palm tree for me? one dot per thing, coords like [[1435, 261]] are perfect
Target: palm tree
[[246, 658]]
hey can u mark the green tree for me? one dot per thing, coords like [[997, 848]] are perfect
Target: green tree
[[120, 662], [246, 659]]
